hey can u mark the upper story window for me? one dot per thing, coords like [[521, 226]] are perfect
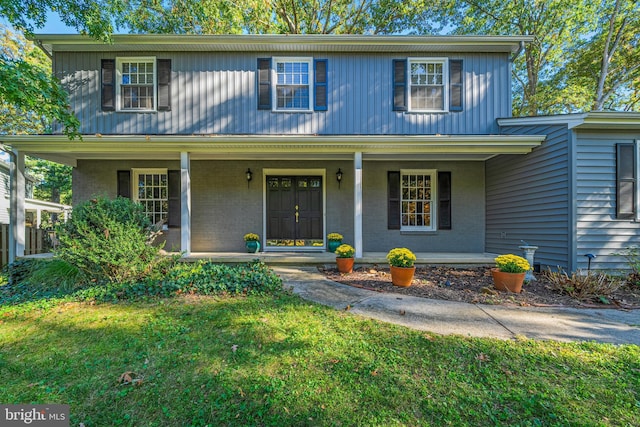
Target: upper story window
[[292, 84], [428, 85], [136, 83], [293, 78]]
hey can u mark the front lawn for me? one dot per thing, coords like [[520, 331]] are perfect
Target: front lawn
[[277, 361]]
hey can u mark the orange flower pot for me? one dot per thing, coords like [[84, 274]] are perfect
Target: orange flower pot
[[402, 276], [511, 282], [345, 265]]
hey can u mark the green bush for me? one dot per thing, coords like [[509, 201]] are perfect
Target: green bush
[[109, 241]]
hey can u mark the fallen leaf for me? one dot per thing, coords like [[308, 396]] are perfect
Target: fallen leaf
[[347, 308], [482, 357], [234, 348], [402, 312]]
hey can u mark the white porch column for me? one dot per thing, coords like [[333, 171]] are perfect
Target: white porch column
[[38, 218], [357, 203], [185, 203], [16, 211]]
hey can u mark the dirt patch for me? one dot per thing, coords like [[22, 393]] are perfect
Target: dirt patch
[[475, 285]]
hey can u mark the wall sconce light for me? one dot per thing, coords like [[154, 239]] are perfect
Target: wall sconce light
[[249, 176], [339, 176]]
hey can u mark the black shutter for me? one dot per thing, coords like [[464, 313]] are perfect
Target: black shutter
[[393, 200], [108, 85], [124, 184], [444, 200], [626, 181], [164, 84], [174, 198], [320, 76], [456, 89], [400, 85], [264, 83]]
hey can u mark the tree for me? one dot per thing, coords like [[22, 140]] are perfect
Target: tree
[[274, 16], [608, 62], [52, 180], [554, 24], [28, 88]]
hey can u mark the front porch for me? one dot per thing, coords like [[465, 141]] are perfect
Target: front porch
[[321, 258]]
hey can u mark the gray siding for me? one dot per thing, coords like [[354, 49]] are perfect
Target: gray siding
[[224, 208], [597, 229], [467, 209], [528, 198], [4, 195], [215, 93]]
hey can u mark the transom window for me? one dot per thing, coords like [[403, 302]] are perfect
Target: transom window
[[136, 83], [417, 189], [151, 190], [427, 82], [293, 77]]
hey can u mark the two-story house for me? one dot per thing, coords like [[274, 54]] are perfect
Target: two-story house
[[388, 140]]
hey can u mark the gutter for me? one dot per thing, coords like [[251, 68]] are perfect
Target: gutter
[[519, 51]]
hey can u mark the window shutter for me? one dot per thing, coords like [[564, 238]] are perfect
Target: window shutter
[[444, 200], [320, 76], [164, 85], [393, 200], [264, 83], [455, 85], [174, 197], [108, 86], [399, 85], [626, 181], [124, 184]]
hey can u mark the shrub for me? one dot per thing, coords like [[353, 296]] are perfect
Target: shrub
[[109, 240], [632, 256], [20, 270], [593, 286], [401, 257], [512, 264], [336, 237]]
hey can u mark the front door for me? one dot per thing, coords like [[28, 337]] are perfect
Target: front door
[[294, 211]]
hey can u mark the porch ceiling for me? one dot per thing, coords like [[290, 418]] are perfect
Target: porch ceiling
[[279, 147]]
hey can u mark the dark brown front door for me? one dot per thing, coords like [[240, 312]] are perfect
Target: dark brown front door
[[294, 211]]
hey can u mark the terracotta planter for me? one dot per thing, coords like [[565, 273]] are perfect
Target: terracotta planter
[[511, 282], [333, 245], [402, 276], [345, 265]]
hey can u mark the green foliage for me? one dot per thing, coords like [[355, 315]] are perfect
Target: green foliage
[[20, 270], [52, 180], [593, 286], [345, 251], [401, 257], [109, 241]]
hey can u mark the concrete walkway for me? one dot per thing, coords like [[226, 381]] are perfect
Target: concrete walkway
[[476, 320]]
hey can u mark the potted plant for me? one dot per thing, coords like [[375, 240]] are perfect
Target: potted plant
[[252, 242], [510, 272], [401, 262], [335, 240], [344, 258]]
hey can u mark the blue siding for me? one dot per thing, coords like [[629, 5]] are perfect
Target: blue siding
[[597, 229], [215, 93], [528, 198]]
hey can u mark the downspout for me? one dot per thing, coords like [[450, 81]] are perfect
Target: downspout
[[518, 52]]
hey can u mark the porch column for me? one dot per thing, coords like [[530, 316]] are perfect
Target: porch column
[[357, 203], [16, 211], [185, 203], [38, 218]]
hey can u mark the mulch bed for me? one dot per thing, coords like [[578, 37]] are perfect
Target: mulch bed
[[475, 285]]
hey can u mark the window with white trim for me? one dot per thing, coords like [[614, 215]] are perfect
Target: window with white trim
[[428, 79], [151, 190], [293, 84], [136, 84], [417, 192]]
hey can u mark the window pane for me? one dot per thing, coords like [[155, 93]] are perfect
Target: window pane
[[292, 87], [416, 200]]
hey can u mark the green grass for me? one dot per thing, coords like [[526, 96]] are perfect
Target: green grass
[[278, 361]]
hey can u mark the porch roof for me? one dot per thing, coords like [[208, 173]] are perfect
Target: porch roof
[[60, 149]]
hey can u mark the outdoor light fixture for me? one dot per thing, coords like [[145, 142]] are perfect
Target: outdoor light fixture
[[590, 257], [339, 176], [249, 176]]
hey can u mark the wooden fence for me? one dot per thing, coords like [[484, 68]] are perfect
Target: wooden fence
[[35, 242]]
